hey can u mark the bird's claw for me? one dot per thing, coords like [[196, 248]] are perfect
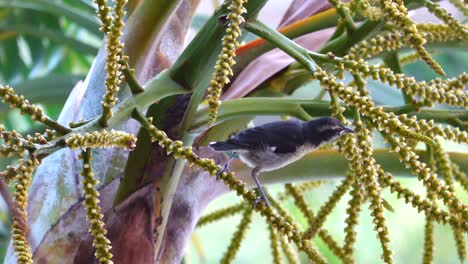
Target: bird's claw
[[222, 170], [260, 199]]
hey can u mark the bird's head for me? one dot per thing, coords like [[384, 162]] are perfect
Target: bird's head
[[324, 130]]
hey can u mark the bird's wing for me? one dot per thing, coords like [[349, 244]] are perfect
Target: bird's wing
[[281, 137]]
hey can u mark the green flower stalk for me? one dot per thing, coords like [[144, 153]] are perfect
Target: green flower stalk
[[394, 40], [428, 178], [367, 173], [238, 237], [275, 245], [113, 67], [429, 129], [93, 210], [365, 9], [445, 16], [429, 93], [444, 167], [430, 208], [460, 176], [19, 229], [103, 139], [461, 5], [353, 210], [398, 14], [345, 14], [36, 113], [309, 250], [300, 202], [220, 214], [226, 58], [409, 58], [328, 207], [103, 12], [289, 251], [428, 255], [13, 143]]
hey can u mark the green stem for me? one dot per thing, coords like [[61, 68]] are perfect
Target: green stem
[[133, 84], [306, 108], [341, 45], [346, 16], [256, 48], [392, 61], [282, 42], [56, 125]]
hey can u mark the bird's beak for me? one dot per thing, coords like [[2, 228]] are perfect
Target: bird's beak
[[346, 130]]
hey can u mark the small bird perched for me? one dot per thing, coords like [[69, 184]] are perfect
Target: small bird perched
[[277, 144]]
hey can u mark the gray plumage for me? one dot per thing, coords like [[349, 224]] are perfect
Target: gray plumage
[[277, 144]]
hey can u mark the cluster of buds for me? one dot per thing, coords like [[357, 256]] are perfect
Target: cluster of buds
[[114, 53], [226, 58], [328, 207], [103, 12], [444, 168], [429, 129], [220, 214], [18, 101], [427, 206], [368, 176], [460, 176], [13, 143], [19, 229], [395, 40], [428, 178], [398, 14], [238, 236], [102, 139], [301, 203], [363, 168], [430, 93], [93, 211], [275, 245], [445, 16], [366, 9], [353, 210]]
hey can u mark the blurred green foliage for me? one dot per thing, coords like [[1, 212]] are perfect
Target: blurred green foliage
[[46, 47]]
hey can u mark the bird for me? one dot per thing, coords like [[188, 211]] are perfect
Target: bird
[[274, 145]]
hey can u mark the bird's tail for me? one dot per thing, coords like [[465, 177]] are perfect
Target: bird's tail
[[223, 146]]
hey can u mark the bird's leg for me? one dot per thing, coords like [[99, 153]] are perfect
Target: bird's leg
[[225, 167], [263, 197]]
